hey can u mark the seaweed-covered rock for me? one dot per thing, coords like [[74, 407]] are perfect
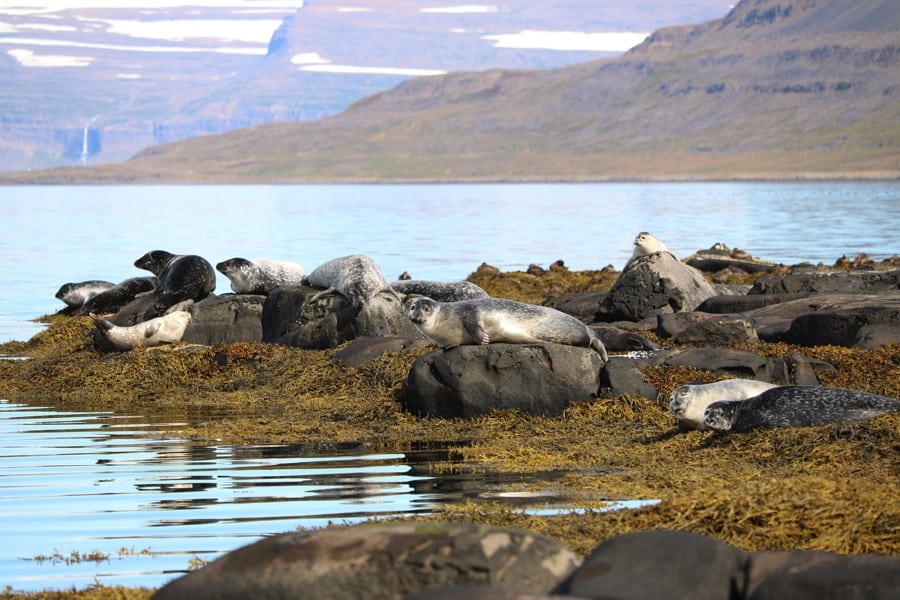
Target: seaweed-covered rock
[[468, 381], [373, 561], [654, 284]]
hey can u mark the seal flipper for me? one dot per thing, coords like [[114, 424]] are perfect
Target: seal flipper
[[324, 292], [152, 328], [598, 346], [477, 332]]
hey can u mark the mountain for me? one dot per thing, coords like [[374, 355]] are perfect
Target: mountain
[[90, 82], [776, 88]]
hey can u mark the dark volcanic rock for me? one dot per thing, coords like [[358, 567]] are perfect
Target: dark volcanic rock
[[469, 381], [651, 285], [742, 303], [828, 282], [719, 331], [376, 561], [225, 319], [721, 257], [622, 376], [582, 306], [649, 565], [363, 350]]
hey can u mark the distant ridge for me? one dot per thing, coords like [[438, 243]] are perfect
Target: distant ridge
[[776, 89]]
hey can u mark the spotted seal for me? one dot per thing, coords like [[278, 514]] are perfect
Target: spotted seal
[[442, 291], [165, 329], [117, 296], [261, 275], [796, 406], [75, 294], [181, 277], [645, 244], [688, 402], [356, 277], [486, 320]]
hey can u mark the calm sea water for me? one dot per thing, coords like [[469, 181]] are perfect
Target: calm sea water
[[76, 483]]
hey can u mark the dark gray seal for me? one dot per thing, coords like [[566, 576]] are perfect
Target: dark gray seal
[[117, 296], [356, 277], [796, 406], [183, 277], [260, 276], [442, 291], [74, 294], [486, 320], [155, 261]]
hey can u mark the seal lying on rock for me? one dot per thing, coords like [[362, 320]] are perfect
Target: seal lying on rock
[[117, 296], [153, 332], [74, 295], [442, 291], [645, 244], [796, 406], [486, 320], [260, 276], [181, 277], [688, 402], [356, 277]]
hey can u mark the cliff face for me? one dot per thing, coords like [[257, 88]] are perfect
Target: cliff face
[[132, 91]]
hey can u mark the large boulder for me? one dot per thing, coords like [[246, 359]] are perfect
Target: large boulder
[[651, 285], [375, 561], [818, 282], [468, 381], [295, 317], [225, 319]]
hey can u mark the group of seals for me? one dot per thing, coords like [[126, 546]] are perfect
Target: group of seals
[[260, 276], [688, 402], [796, 406], [487, 320]]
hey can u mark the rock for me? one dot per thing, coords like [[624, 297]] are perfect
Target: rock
[[873, 337], [616, 339], [736, 363], [582, 306], [721, 257], [361, 351], [804, 368], [719, 331], [646, 565], [651, 285], [622, 376], [471, 592], [729, 303], [828, 282], [811, 575], [290, 317], [468, 381], [374, 561], [225, 319]]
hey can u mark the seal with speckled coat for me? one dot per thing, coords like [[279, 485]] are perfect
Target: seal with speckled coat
[[796, 406], [356, 277], [486, 320], [154, 332], [261, 275], [442, 291], [688, 402]]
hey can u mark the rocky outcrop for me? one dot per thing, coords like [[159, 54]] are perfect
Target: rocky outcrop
[[651, 285], [469, 381], [844, 282], [225, 319], [376, 561]]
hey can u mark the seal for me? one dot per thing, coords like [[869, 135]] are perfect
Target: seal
[[154, 332], [155, 261], [261, 275], [796, 406], [645, 244], [688, 402], [181, 277], [75, 294], [117, 296], [442, 291], [486, 320], [356, 277]]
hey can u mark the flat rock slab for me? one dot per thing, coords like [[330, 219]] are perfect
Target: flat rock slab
[[375, 561], [469, 381]]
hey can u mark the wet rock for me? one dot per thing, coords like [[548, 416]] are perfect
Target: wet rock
[[225, 319], [811, 575], [873, 337], [647, 565], [651, 285], [374, 561], [828, 282], [291, 317], [361, 351], [468, 381]]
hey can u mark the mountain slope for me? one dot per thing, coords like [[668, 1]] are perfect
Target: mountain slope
[[777, 88]]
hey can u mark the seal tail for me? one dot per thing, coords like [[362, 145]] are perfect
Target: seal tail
[[103, 325]]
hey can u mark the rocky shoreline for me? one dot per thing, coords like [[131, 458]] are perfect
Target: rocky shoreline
[[827, 488]]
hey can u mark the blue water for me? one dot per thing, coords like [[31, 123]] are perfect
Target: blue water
[[98, 482], [55, 234]]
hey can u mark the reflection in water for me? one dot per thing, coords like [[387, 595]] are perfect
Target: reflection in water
[[96, 482]]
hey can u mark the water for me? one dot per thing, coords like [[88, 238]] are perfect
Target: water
[[77, 483]]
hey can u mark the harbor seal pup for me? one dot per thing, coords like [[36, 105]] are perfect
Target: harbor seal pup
[[442, 291], [261, 275], [75, 294], [688, 402], [166, 329], [356, 277], [645, 244], [486, 320], [796, 406], [117, 296]]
